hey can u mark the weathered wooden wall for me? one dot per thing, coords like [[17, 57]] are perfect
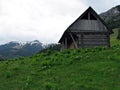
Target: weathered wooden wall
[[86, 25], [65, 44], [93, 40], [88, 41]]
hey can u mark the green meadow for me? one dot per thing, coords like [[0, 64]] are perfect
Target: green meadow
[[79, 69]]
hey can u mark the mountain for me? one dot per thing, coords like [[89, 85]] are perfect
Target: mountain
[[112, 17], [17, 49]]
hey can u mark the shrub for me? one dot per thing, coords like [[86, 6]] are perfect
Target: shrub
[[28, 82], [16, 68], [118, 37], [77, 58], [50, 86], [6, 62], [46, 63], [22, 62], [8, 74]]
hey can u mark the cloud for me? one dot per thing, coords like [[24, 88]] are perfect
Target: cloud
[[102, 5], [45, 20]]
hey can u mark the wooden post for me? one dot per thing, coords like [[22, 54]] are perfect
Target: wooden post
[[65, 43], [82, 44], [79, 42], [62, 46], [73, 41], [108, 40], [88, 16]]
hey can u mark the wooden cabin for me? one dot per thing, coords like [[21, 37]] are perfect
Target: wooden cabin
[[88, 31]]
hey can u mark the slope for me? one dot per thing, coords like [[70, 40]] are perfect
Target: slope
[[112, 17], [86, 69], [114, 40]]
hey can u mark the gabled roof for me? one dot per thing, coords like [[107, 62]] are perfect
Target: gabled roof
[[91, 10]]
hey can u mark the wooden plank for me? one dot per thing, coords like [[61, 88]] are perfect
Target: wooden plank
[[65, 43], [92, 40], [82, 42], [95, 44], [95, 40], [77, 31], [73, 40], [88, 16], [79, 41], [63, 46], [108, 40], [95, 36], [92, 46], [89, 25], [90, 43]]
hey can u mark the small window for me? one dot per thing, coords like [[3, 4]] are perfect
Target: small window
[[85, 16], [89, 16], [92, 17]]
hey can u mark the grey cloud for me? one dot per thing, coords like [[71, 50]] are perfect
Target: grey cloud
[[102, 5], [45, 20]]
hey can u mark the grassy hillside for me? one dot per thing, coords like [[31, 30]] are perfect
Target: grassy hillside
[[114, 41], [87, 69]]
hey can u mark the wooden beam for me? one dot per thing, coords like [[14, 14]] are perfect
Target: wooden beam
[[88, 16], [108, 40], [73, 40], [62, 46], [65, 43], [82, 44], [79, 42], [88, 31]]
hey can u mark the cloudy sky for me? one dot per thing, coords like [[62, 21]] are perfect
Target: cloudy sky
[[43, 20]]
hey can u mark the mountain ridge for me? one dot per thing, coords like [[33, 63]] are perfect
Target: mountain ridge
[[18, 49], [112, 17]]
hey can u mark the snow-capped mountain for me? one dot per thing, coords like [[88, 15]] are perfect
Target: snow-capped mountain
[[18, 49]]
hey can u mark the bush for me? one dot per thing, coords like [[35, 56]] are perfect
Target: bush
[[50, 86], [16, 68], [118, 37], [77, 58], [28, 83], [8, 74], [46, 63]]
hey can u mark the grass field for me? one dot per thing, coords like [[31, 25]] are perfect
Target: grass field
[[114, 41], [86, 69]]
